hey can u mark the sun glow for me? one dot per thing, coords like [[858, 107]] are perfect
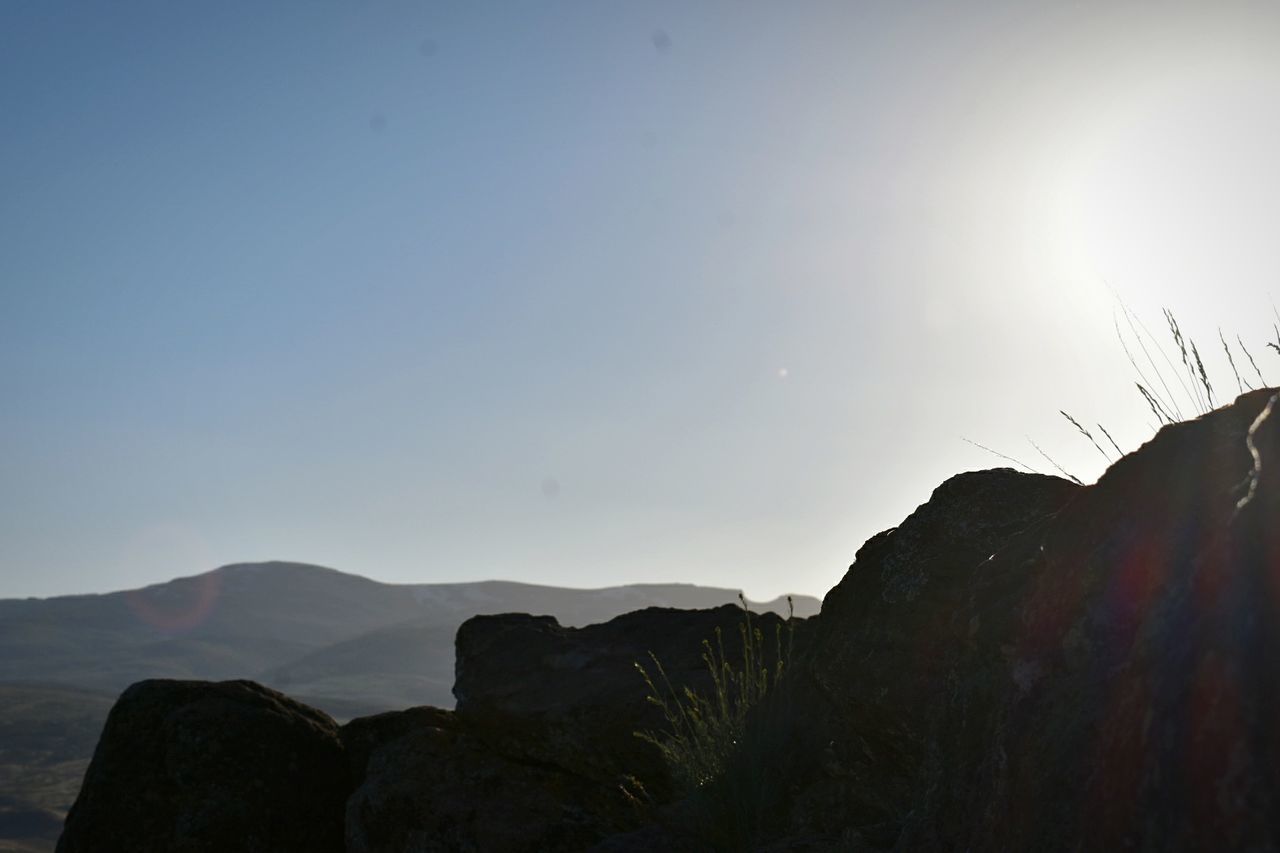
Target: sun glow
[[1176, 189]]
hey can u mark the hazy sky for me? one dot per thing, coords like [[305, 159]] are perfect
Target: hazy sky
[[593, 293]]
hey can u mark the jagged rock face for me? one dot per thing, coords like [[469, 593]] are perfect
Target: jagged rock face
[[188, 767], [543, 741], [1023, 664], [571, 697], [1120, 682], [861, 707]]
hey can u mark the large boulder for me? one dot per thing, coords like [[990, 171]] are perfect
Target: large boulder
[[427, 784], [887, 639], [1027, 664], [1120, 681], [572, 697], [844, 741], [200, 767]]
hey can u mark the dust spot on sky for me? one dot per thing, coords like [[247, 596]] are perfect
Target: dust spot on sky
[[661, 41], [428, 48], [377, 122], [551, 488]]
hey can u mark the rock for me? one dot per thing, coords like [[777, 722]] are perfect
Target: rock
[[572, 698], [1120, 682], [1025, 664], [1022, 664], [427, 784], [185, 767], [541, 754], [863, 703]]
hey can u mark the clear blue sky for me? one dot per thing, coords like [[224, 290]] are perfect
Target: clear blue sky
[[591, 293]]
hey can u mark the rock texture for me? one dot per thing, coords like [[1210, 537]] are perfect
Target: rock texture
[[1025, 664], [541, 754], [572, 696], [887, 648], [1119, 683], [189, 767], [430, 784]]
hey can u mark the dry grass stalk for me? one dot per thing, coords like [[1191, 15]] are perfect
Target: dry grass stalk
[[1155, 407], [1061, 470], [1194, 392], [1020, 464], [1133, 362], [1249, 355], [1110, 439], [1086, 434], [1204, 377], [1240, 383]]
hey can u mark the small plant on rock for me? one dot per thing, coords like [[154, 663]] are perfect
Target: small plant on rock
[[704, 730]]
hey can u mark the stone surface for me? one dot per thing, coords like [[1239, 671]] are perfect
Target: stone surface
[[1119, 684], [572, 697], [427, 784], [885, 648], [1025, 664], [188, 767]]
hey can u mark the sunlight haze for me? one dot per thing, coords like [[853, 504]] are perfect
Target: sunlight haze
[[590, 294]]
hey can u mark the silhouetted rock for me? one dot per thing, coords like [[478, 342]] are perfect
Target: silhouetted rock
[[1022, 664], [883, 659], [428, 784], [1025, 664], [1120, 680], [572, 696], [198, 766]]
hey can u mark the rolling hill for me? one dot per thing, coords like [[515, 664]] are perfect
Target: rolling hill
[[343, 643]]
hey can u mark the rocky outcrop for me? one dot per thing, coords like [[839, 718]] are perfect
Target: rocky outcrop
[[1023, 663], [187, 767], [1026, 664], [886, 652], [572, 696], [428, 783], [1120, 679], [541, 754]]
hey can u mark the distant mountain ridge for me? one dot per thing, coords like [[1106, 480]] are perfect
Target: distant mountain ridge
[[344, 642]]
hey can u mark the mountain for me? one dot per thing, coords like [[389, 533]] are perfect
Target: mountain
[[347, 644]]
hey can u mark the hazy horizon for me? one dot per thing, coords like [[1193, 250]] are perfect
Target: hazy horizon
[[586, 295]]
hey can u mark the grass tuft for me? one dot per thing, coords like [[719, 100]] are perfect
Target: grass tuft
[[704, 730]]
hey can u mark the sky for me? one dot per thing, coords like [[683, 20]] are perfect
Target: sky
[[586, 293]]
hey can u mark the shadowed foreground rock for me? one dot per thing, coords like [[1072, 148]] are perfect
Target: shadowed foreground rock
[[538, 754], [194, 766], [572, 696], [1028, 665], [1022, 664], [430, 785]]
